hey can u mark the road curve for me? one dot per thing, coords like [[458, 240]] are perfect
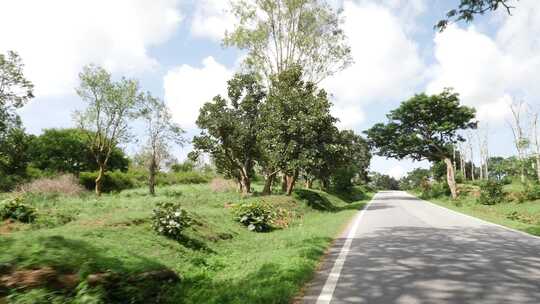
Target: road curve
[[404, 250]]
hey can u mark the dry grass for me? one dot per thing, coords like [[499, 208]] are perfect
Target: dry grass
[[219, 184], [66, 184]]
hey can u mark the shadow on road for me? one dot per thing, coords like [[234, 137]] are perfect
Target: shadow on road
[[430, 265]]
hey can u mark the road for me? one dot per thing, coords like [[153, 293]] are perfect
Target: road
[[404, 250]]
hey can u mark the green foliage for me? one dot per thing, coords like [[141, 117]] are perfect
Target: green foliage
[[67, 150], [113, 181], [414, 179], [14, 157], [257, 215], [383, 182], [186, 166], [491, 193], [170, 219], [468, 9], [188, 177], [280, 34], [532, 191], [230, 129], [16, 209], [434, 190]]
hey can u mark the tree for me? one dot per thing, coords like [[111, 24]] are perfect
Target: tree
[[518, 125], [110, 107], [280, 34], [14, 157], [383, 182], [468, 9], [353, 161], [536, 141], [67, 150], [295, 122], [15, 89], [230, 127], [160, 131], [414, 179], [424, 127]]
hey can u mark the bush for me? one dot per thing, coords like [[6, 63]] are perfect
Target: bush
[[257, 216], [16, 209], [434, 190], [65, 184], [190, 177], [532, 192], [220, 184], [491, 193], [170, 219], [112, 182]]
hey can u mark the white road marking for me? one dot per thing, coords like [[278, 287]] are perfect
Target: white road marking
[[330, 285]]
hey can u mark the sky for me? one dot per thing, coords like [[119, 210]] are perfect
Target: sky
[[173, 47]]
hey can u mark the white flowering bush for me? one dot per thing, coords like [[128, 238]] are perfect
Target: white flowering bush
[[170, 219]]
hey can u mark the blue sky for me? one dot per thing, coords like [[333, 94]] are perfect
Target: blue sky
[[173, 48]]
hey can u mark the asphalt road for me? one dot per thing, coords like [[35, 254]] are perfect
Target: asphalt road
[[404, 250]]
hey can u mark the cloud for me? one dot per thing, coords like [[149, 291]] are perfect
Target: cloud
[[187, 88], [489, 72], [387, 62], [211, 19], [56, 38]]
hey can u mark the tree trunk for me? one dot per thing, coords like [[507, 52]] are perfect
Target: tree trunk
[[245, 184], [291, 181], [450, 177], [309, 183], [284, 183], [152, 177], [99, 178], [326, 184], [269, 180], [538, 165]]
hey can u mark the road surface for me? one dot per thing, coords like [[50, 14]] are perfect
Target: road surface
[[404, 250]]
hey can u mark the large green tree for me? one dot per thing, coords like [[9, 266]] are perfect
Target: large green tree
[[280, 34], [467, 10], [111, 105], [161, 131], [424, 127], [295, 124], [230, 127], [67, 150]]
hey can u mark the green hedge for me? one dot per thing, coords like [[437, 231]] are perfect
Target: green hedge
[[113, 181]]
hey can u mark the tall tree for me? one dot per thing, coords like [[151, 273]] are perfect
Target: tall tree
[[468, 9], [536, 140], [518, 125], [160, 132], [230, 127], [67, 150], [279, 34], [15, 89], [294, 117], [110, 107], [424, 127]]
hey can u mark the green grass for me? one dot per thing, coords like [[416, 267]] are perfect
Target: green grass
[[219, 262], [526, 215]]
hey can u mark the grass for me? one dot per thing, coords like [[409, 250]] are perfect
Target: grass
[[521, 216], [219, 261]]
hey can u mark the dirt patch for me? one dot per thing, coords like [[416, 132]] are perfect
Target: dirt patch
[[9, 226], [33, 278]]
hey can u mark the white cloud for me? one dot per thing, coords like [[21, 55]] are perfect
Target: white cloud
[[387, 63], [211, 19], [489, 72], [397, 172], [187, 88], [56, 38]]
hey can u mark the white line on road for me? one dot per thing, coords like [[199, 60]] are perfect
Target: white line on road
[[330, 285]]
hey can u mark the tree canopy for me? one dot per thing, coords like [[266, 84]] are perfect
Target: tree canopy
[[468, 9], [424, 127], [279, 34]]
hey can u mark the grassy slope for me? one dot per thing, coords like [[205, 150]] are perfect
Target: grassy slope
[[529, 212], [220, 262]]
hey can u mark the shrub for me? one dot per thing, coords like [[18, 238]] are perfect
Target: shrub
[[16, 209], [190, 177], [434, 190], [219, 184], [112, 182], [491, 193], [257, 216], [532, 192], [170, 219], [65, 184]]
